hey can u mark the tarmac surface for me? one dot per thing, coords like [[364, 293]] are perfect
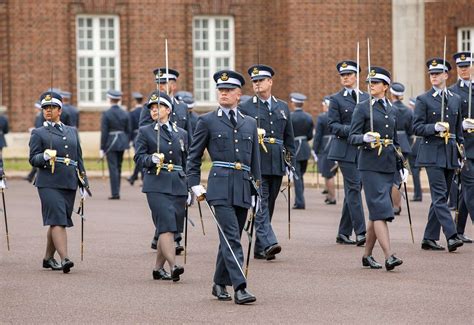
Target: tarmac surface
[[314, 280]]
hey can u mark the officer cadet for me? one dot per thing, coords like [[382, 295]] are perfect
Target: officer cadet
[[37, 124], [165, 180], [303, 131], [193, 116], [438, 151], [461, 87], [134, 116], [3, 130], [114, 140], [321, 145], [232, 142], [56, 152], [166, 81], [378, 163], [340, 112], [404, 118], [277, 141], [415, 171], [71, 110]]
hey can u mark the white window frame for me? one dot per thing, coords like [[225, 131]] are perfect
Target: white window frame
[[461, 40], [212, 54], [97, 54]]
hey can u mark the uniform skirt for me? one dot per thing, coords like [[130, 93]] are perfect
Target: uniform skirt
[[57, 206], [167, 211], [325, 166], [378, 187]]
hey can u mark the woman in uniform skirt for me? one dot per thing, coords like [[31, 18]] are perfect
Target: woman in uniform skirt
[[56, 152], [166, 191], [378, 164]]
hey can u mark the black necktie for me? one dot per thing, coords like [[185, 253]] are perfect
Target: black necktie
[[166, 130], [382, 102], [58, 127], [232, 118], [354, 95]]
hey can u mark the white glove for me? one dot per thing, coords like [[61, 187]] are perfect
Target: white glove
[[189, 200], [3, 184], [466, 125], [404, 175], [440, 127], [315, 157], [156, 159], [101, 154], [369, 138], [289, 172], [84, 193], [198, 190], [46, 156]]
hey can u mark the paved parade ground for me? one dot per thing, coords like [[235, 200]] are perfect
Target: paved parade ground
[[313, 280]]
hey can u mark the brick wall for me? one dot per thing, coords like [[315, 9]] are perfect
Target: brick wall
[[303, 40]]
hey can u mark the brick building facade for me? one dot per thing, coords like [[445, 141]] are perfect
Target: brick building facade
[[301, 39]]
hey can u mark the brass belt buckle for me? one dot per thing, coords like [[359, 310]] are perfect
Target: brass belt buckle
[[272, 140], [170, 167], [67, 161], [238, 166]]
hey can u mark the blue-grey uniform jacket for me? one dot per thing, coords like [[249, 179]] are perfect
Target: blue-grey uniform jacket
[[303, 131], [433, 151], [193, 118], [3, 130], [226, 186], [277, 126], [115, 130], [385, 123], [322, 137], [341, 108], [73, 115], [134, 121], [463, 92], [67, 145], [404, 126], [174, 147]]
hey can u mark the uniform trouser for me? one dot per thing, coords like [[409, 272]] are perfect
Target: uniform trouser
[[32, 173], [136, 170], [467, 200], [454, 192], [264, 235], [439, 215], [352, 211], [300, 169], [114, 161], [232, 221], [415, 173]]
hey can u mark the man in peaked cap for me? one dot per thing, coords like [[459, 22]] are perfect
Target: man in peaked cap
[[461, 87], [277, 141], [341, 107], [114, 140], [415, 171], [438, 152], [134, 116], [232, 142], [303, 132]]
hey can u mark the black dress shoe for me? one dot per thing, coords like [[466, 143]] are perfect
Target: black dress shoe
[[454, 243], [220, 292], [51, 263], [161, 274], [176, 272], [429, 244], [67, 264], [259, 256], [391, 262], [271, 251], [397, 211], [297, 207], [242, 296], [330, 202], [360, 240], [117, 197], [179, 249], [345, 240], [465, 239], [370, 261], [324, 192], [416, 199], [154, 243], [131, 180]]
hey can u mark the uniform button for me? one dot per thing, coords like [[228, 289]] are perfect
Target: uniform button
[[386, 135], [447, 108], [270, 114], [169, 143], [256, 117], [235, 131], [386, 116], [215, 174], [346, 110], [271, 122], [426, 141], [273, 132], [67, 155], [236, 140], [434, 113], [64, 138], [170, 152], [386, 125], [66, 146], [219, 136], [171, 161], [237, 150], [447, 115]]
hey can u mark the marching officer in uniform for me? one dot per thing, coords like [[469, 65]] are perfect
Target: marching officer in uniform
[[232, 142], [415, 171], [193, 116], [134, 116], [277, 141], [303, 132], [321, 146], [438, 152], [37, 124], [114, 140], [3, 130], [378, 163], [340, 112], [461, 87], [71, 110], [404, 118], [165, 180], [56, 152]]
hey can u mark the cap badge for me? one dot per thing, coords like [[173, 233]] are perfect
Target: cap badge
[[344, 65], [47, 97], [434, 63], [255, 71], [372, 73], [224, 76], [153, 98], [463, 57]]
